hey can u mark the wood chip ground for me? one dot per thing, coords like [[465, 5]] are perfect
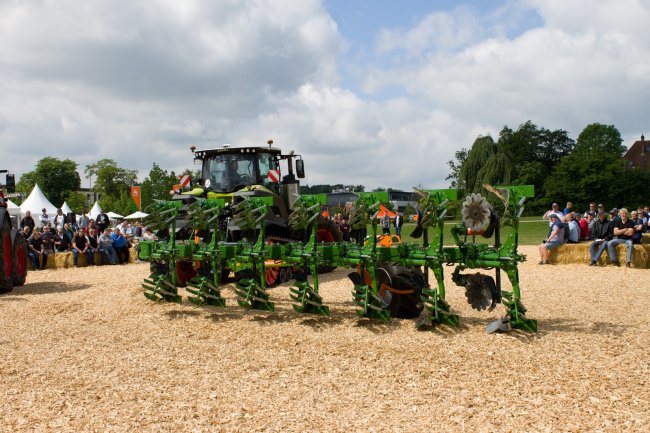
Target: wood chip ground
[[83, 350]]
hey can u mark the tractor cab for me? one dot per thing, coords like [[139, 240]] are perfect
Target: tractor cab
[[226, 170]]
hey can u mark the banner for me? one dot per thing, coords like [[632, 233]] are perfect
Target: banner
[[135, 199]]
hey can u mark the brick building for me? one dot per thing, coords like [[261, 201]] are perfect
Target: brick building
[[638, 155]]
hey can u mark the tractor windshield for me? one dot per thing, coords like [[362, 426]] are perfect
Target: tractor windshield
[[229, 172]]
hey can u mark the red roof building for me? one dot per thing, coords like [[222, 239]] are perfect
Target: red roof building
[[638, 155]]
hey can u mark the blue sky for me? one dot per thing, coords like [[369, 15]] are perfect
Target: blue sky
[[370, 92]]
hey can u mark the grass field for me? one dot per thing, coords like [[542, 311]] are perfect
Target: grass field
[[532, 230]]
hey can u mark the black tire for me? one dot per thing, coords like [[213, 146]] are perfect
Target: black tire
[[20, 261], [6, 254], [327, 231], [400, 287]]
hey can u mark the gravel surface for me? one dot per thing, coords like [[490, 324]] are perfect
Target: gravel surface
[[84, 350]]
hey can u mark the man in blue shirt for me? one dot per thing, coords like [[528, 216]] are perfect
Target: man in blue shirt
[[119, 244]]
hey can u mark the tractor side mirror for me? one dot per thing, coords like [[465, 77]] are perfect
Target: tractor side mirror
[[300, 168], [11, 183]]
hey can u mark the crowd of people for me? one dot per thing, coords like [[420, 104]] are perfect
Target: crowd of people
[[83, 235], [385, 222], [604, 230]]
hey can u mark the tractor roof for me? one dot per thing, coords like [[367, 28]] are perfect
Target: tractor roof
[[236, 150]]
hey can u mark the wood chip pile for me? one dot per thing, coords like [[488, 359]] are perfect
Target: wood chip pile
[[83, 350]]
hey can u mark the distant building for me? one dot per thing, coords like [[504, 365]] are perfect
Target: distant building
[[638, 155], [91, 196], [399, 199]]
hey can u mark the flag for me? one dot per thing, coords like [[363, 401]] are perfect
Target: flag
[[135, 199]]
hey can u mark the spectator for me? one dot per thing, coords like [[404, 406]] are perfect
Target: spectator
[[102, 222], [573, 236], [623, 230], [149, 235], [69, 232], [591, 219], [555, 209], [601, 233], [93, 240], [127, 231], [613, 215], [26, 233], [80, 245], [59, 219], [137, 229], [37, 252], [553, 240], [568, 209], [385, 223], [106, 246], [398, 223], [345, 229], [119, 244], [592, 209], [638, 227], [44, 218], [584, 226], [28, 221], [48, 238], [61, 241], [83, 221]]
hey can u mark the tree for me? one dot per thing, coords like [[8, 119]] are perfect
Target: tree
[[595, 171], [56, 178], [120, 204], [111, 181], [486, 163], [604, 138], [77, 201], [455, 165], [156, 185]]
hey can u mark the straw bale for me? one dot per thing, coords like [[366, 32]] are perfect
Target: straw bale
[[83, 350], [579, 253], [65, 260]]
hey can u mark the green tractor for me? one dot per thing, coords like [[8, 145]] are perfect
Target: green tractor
[[235, 173]]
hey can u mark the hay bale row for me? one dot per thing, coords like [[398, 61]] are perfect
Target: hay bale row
[[579, 253], [65, 260]]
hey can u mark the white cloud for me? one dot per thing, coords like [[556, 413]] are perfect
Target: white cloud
[[589, 62], [139, 82]]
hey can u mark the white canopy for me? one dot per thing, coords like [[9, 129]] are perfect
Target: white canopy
[[13, 209], [136, 216], [94, 211], [114, 216], [65, 208], [34, 203]]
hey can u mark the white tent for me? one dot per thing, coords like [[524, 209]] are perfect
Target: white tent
[[14, 209], [136, 216], [65, 208], [34, 203], [114, 216], [94, 211]]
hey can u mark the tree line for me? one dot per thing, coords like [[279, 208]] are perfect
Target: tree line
[[590, 168], [60, 181], [561, 169]]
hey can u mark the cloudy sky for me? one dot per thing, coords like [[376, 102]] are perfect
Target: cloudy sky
[[371, 92]]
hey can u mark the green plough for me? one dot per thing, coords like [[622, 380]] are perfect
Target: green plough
[[389, 278]]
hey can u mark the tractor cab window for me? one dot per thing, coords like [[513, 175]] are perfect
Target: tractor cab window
[[229, 172], [266, 163]]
